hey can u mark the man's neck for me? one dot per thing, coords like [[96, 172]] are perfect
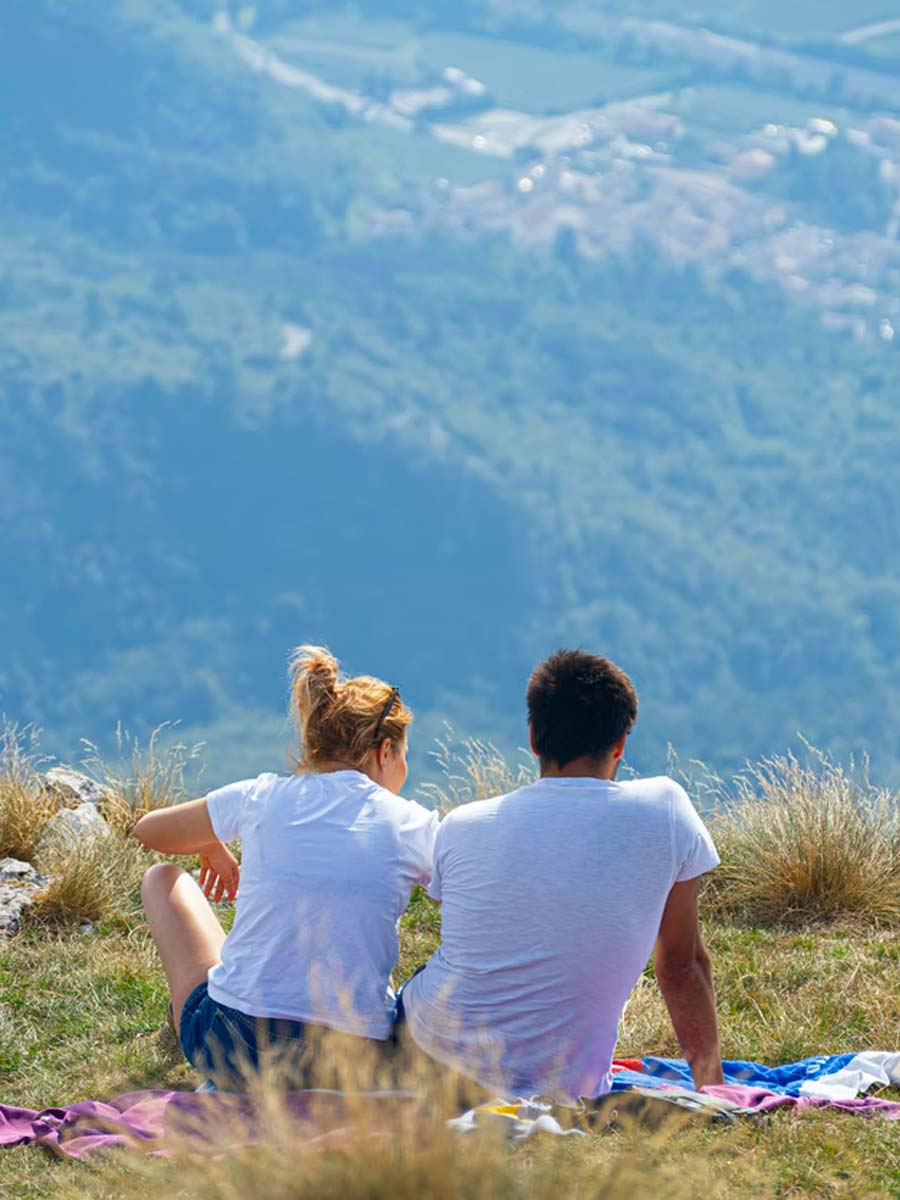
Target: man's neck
[[582, 768]]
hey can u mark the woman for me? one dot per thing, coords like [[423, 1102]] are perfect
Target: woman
[[329, 858]]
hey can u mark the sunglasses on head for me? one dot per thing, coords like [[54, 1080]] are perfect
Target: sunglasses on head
[[395, 692]]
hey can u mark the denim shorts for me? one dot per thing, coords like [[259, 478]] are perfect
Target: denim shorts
[[226, 1045], [399, 1007]]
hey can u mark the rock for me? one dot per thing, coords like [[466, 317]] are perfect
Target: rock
[[70, 826], [71, 788], [13, 870], [19, 884]]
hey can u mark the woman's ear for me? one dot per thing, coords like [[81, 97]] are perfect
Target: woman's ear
[[383, 752]]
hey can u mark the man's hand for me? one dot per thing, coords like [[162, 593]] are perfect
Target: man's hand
[[684, 974], [219, 873]]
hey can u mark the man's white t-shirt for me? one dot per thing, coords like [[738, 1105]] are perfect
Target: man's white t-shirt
[[551, 899], [327, 866]]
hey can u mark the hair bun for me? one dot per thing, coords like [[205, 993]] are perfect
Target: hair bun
[[339, 718], [314, 682]]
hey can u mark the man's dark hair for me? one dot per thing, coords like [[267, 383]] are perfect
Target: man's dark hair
[[578, 705]]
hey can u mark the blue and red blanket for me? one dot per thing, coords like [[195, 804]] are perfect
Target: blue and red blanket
[[825, 1081]]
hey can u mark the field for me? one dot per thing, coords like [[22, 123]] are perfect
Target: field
[[518, 75], [803, 923], [538, 80], [83, 1016], [730, 110]]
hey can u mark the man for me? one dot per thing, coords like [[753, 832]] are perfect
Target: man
[[553, 897]]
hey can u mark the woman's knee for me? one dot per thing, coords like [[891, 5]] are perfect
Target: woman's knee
[[161, 877]]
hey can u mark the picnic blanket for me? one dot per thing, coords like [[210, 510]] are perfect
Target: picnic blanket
[[152, 1119], [217, 1121], [837, 1081]]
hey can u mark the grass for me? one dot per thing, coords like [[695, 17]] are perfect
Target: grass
[[142, 778], [24, 807], [96, 879], [82, 1014], [808, 842], [473, 769]]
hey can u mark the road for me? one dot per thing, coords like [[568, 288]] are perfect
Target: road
[[859, 84], [865, 32]]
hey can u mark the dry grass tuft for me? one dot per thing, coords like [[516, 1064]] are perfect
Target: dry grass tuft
[[91, 879], [802, 842], [141, 778], [24, 807], [475, 770]]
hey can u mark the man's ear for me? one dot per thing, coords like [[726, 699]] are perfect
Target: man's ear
[[619, 748], [531, 742]]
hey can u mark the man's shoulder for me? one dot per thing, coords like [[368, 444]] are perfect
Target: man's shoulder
[[659, 794], [659, 788], [480, 810]]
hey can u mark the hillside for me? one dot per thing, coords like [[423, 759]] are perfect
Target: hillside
[[589, 339]]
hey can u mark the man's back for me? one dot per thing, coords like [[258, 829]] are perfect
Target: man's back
[[551, 902]]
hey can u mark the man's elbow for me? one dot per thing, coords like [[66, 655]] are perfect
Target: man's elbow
[[703, 959], [674, 971]]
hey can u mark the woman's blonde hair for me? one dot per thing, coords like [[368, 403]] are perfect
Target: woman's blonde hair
[[341, 720]]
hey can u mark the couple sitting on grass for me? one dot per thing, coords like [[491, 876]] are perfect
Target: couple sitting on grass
[[552, 897]]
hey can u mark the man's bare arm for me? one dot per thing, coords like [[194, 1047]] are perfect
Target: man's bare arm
[[684, 973]]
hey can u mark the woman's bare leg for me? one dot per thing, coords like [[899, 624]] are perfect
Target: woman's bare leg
[[187, 932]]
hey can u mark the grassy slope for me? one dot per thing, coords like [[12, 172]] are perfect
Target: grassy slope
[[82, 1012]]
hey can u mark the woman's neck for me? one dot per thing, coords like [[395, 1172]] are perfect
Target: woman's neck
[[329, 768]]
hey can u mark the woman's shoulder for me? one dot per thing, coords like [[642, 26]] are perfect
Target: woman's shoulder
[[262, 786], [415, 818], [403, 809]]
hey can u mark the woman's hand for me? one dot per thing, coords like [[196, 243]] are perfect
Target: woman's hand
[[220, 873]]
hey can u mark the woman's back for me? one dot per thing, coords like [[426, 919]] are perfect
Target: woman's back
[[328, 862]]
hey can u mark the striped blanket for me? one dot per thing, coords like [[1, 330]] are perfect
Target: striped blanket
[[834, 1080]]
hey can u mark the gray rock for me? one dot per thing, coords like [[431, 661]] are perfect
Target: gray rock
[[19, 884], [73, 789], [70, 826], [13, 870]]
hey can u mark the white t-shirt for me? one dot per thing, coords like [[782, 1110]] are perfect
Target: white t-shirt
[[551, 898], [328, 864]]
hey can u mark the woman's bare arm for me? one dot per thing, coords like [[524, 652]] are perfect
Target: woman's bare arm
[[187, 829], [181, 829]]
